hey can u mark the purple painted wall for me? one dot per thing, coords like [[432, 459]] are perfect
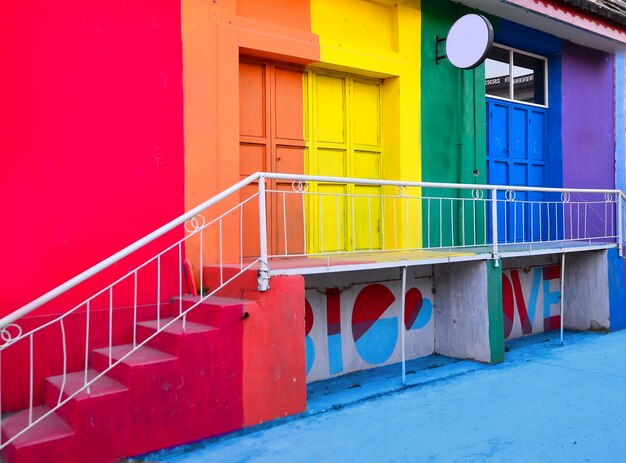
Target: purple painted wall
[[588, 118], [588, 138]]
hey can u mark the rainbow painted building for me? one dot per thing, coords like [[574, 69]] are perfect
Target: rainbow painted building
[[409, 207]]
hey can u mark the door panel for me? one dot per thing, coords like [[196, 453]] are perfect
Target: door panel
[[537, 175], [288, 105], [366, 164], [331, 162], [519, 174], [498, 169], [252, 158], [538, 136], [498, 142], [289, 159], [367, 217], [330, 120], [366, 114], [287, 206], [331, 205], [252, 95], [519, 134]]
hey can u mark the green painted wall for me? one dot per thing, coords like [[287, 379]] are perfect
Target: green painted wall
[[453, 132]]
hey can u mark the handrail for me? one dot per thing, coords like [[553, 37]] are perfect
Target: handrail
[[81, 277], [460, 186]]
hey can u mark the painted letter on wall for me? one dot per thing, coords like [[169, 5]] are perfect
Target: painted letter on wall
[[358, 327], [531, 300]]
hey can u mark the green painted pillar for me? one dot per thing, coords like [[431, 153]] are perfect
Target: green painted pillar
[[496, 321]]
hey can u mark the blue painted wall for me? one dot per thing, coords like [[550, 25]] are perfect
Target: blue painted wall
[[617, 299], [549, 46]]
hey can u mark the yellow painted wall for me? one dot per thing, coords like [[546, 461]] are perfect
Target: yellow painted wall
[[378, 39]]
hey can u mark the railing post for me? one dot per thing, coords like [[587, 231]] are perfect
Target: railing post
[[562, 294], [494, 226], [619, 225], [263, 278], [402, 330]]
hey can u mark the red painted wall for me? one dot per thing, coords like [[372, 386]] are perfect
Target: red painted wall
[[274, 365], [91, 136], [274, 368]]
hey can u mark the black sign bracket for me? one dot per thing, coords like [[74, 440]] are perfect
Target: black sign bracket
[[438, 42]]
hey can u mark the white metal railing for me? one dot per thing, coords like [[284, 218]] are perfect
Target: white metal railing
[[337, 216], [271, 216]]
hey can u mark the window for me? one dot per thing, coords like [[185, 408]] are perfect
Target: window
[[517, 76]]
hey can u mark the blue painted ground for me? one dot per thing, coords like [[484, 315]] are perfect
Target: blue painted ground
[[545, 403]]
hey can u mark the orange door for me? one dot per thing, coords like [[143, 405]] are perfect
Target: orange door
[[271, 139]]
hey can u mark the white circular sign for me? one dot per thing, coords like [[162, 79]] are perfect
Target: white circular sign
[[468, 41]]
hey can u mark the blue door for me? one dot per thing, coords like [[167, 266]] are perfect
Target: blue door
[[516, 155]]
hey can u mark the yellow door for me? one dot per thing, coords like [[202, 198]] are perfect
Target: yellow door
[[343, 139]]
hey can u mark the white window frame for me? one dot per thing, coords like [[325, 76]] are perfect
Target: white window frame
[[511, 83]]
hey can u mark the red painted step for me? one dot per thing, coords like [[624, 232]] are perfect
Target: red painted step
[[153, 377], [176, 336], [143, 361], [185, 385], [212, 311], [77, 412], [89, 412], [51, 440]]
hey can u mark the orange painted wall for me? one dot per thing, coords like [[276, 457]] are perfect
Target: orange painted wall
[[215, 35], [289, 13]]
